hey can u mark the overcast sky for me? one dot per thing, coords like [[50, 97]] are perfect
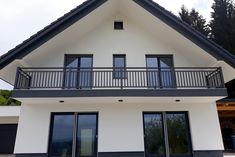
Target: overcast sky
[[19, 19]]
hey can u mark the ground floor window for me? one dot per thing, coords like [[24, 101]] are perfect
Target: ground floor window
[[167, 134], [73, 135]]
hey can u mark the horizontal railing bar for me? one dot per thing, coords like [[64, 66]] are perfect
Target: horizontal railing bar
[[63, 68]]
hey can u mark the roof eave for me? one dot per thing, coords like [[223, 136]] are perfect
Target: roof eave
[[49, 32], [196, 37]]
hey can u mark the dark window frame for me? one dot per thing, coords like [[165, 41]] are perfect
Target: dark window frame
[[144, 131], [159, 56], [118, 25], [76, 56], [75, 114], [124, 68], [165, 131]]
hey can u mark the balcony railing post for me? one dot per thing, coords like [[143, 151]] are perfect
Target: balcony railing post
[[159, 78], [63, 78], [122, 75], [221, 77], [28, 81], [17, 78], [207, 82], [173, 78]]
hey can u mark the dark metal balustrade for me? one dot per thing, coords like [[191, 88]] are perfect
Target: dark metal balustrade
[[118, 78]]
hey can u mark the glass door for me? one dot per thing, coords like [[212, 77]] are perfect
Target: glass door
[[86, 136], [153, 72], [154, 135], [73, 135], [178, 134], [160, 71], [78, 71], [61, 139], [167, 135]]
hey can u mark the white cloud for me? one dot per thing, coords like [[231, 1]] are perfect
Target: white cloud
[[21, 19], [203, 6]]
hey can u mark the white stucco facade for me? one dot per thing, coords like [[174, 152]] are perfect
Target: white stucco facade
[[120, 125], [9, 114]]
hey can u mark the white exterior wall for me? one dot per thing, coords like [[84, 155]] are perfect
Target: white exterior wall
[[120, 125], [9, 114], [104, 41], [228, 71]]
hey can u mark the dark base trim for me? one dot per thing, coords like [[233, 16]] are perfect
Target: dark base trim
[[205, 153], [100, 154], [208, 153], [32, 155], [121, 154]]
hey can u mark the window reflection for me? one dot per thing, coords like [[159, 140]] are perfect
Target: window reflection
[[178, 134], [160, 72], [62, 136], [86, 136], [154, 138], [78, 71], [167, 134], [119, 66], [66, 138]]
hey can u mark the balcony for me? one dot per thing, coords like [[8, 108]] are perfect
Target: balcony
[[119, 78]]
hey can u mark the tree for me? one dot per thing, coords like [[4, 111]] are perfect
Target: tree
[[223, 24], [5, 99], [194, 19]]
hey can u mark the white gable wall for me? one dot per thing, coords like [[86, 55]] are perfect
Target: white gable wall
[[229, 72], [104, 41], [143, 34]]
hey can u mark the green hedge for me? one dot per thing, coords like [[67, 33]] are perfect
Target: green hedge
[[6, 100]]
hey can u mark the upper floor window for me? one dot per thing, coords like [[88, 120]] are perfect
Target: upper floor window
[[160, 74], [119, 65], [78, 71]]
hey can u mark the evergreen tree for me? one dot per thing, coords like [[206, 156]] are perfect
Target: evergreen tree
[[223, 24], [194, 19]]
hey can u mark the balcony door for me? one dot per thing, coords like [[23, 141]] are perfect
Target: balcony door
[[167, 135], [73, 135], [160, 71], [78, 71]]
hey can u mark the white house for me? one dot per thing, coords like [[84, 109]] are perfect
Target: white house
[[119, 78]]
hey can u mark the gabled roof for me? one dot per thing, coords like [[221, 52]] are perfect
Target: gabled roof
[[87, 7]]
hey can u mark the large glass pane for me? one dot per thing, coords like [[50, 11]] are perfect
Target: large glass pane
[[152, 74], [85, 74], [119, 66], [71, 72], [86, 136], [154, 136], [178, 134], [62, 136], [166, 72], [78, 72]]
